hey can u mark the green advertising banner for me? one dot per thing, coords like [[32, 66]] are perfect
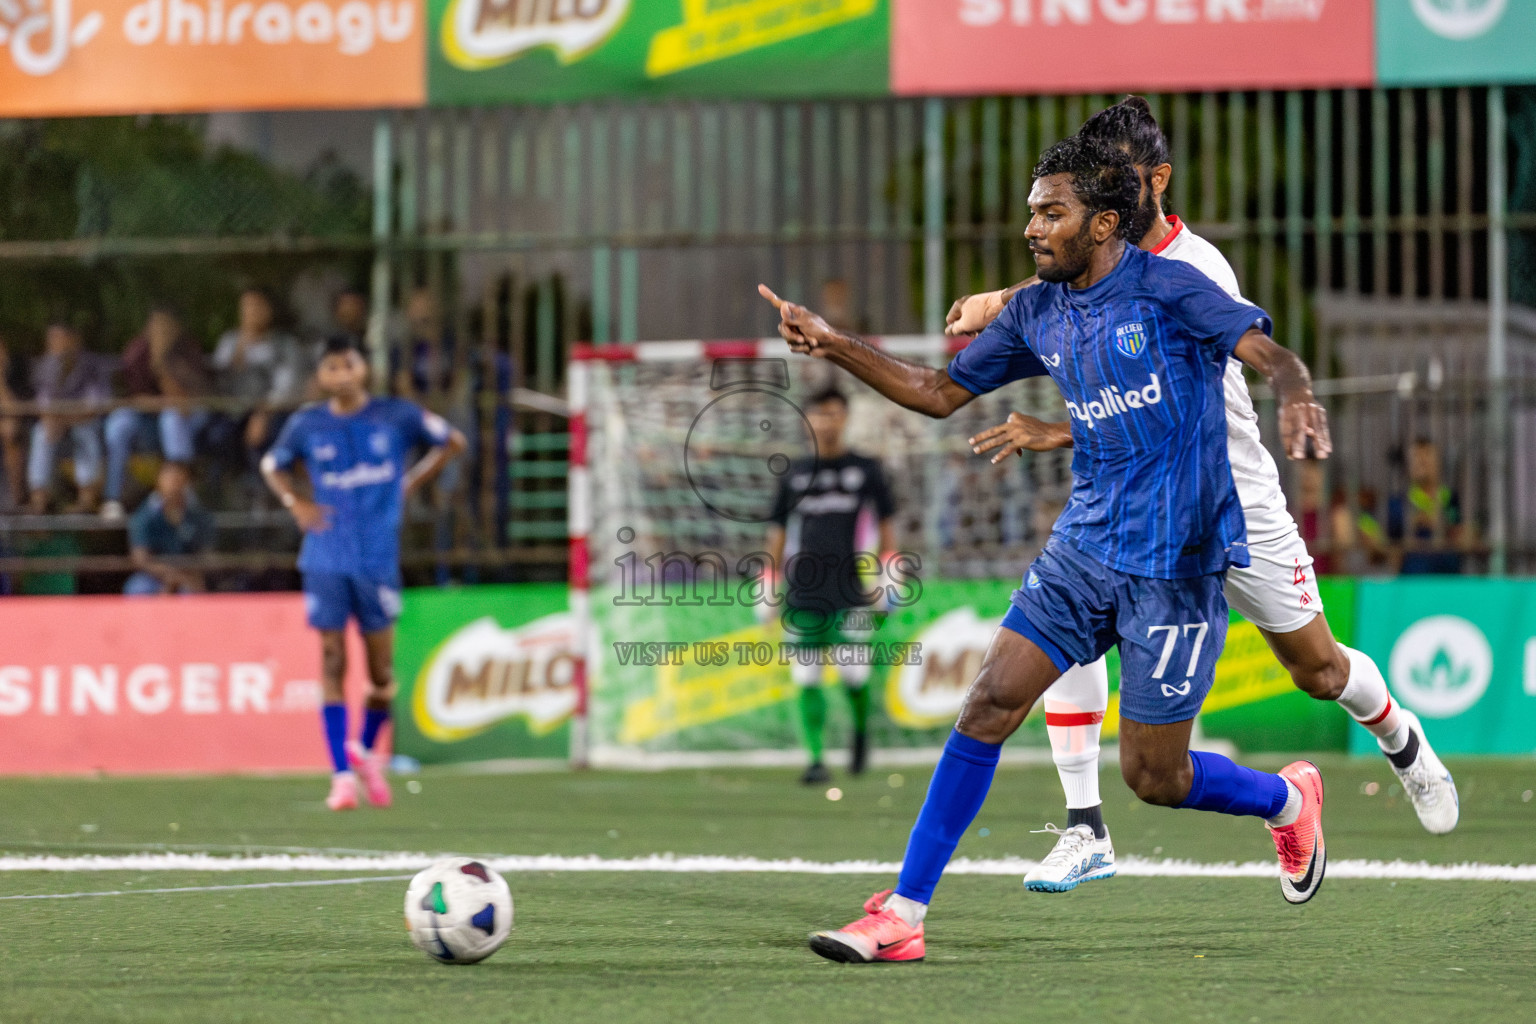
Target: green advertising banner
[[725, 684], [484, 673], [507, 51], [1459, 651], [1455, 42]]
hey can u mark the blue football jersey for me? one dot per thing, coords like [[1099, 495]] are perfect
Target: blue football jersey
[[1139, 358], [356, 466]]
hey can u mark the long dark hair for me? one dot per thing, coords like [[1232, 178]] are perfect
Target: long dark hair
[[1130, 126]]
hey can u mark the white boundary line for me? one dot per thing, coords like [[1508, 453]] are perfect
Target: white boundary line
[[210, 888], [1136, 867]]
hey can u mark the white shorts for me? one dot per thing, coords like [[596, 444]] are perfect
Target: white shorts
[[1278, 592]]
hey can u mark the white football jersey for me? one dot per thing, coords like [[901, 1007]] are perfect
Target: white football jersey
[[1253, 469]]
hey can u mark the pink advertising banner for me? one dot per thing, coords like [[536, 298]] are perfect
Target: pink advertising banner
[[962, 47], [212, 683]]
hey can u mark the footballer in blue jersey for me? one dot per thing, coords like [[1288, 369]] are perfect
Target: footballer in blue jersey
[[1138, 557], [356, 450], [1276, 593]]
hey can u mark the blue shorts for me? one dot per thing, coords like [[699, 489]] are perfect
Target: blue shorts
[[1170, 632], [330, 598]]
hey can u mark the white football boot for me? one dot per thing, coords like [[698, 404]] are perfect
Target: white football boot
[[1079, 856], [1428, 783]]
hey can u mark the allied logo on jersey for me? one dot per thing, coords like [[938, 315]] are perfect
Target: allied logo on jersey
[[1131, 339], [853, 478], [1114, 402], [379, 442], [1032, 581]]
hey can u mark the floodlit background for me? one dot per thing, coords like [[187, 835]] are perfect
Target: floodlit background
[[548, 219]]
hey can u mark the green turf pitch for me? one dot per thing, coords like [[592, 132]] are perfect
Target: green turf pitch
[[635, 947]]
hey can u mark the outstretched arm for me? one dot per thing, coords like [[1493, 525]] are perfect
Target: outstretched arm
[[1303, 422], [911, 385]]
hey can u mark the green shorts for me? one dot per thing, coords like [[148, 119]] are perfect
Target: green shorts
[[805, 628]]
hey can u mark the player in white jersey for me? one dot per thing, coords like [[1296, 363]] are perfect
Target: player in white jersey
[[1277, 593]]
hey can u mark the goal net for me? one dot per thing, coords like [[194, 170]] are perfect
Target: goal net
[[677, 448]]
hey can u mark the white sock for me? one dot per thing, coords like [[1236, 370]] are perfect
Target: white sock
[[851, 674], [1074, 715], [1292, 809], [805, 675], [1079, 774], [1368, 702], [909, 911]]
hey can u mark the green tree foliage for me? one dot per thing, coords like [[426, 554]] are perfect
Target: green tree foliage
[[151, 178]]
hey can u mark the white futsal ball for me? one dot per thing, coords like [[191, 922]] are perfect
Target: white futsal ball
[[459, 911]]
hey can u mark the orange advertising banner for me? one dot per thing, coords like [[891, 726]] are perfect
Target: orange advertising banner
[[66, 57], [211, 683]]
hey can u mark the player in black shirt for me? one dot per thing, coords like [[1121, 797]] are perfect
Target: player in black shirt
[[831, 522]]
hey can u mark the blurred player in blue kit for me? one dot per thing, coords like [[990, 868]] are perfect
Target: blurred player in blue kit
[[355, 449], [1138, 346]]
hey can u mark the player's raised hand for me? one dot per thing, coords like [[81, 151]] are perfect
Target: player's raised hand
[[1303, 423], [1021, 434], [806, 332], [1304, 430]]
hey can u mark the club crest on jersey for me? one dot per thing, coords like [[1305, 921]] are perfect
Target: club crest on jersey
[[1131, 338]]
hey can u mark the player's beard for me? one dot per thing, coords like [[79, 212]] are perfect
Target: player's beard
[[1071, 258], [1142, 219]]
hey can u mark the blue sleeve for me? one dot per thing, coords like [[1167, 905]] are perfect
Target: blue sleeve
[[1206, 310], [1000, 354], [420, 426], [289, 447]]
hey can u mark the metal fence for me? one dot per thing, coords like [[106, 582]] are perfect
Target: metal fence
[[537, 227]]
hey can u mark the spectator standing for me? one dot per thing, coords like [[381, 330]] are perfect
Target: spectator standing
[[163, 373], [170, 524], [13, 449], [67, 374], [260, 365]]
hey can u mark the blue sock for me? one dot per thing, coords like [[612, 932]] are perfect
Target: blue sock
[[335, 716], [1229, 788], [373, 721], [959, 787]]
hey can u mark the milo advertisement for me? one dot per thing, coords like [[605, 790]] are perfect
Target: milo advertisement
[[501, 51], [484, 673]]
